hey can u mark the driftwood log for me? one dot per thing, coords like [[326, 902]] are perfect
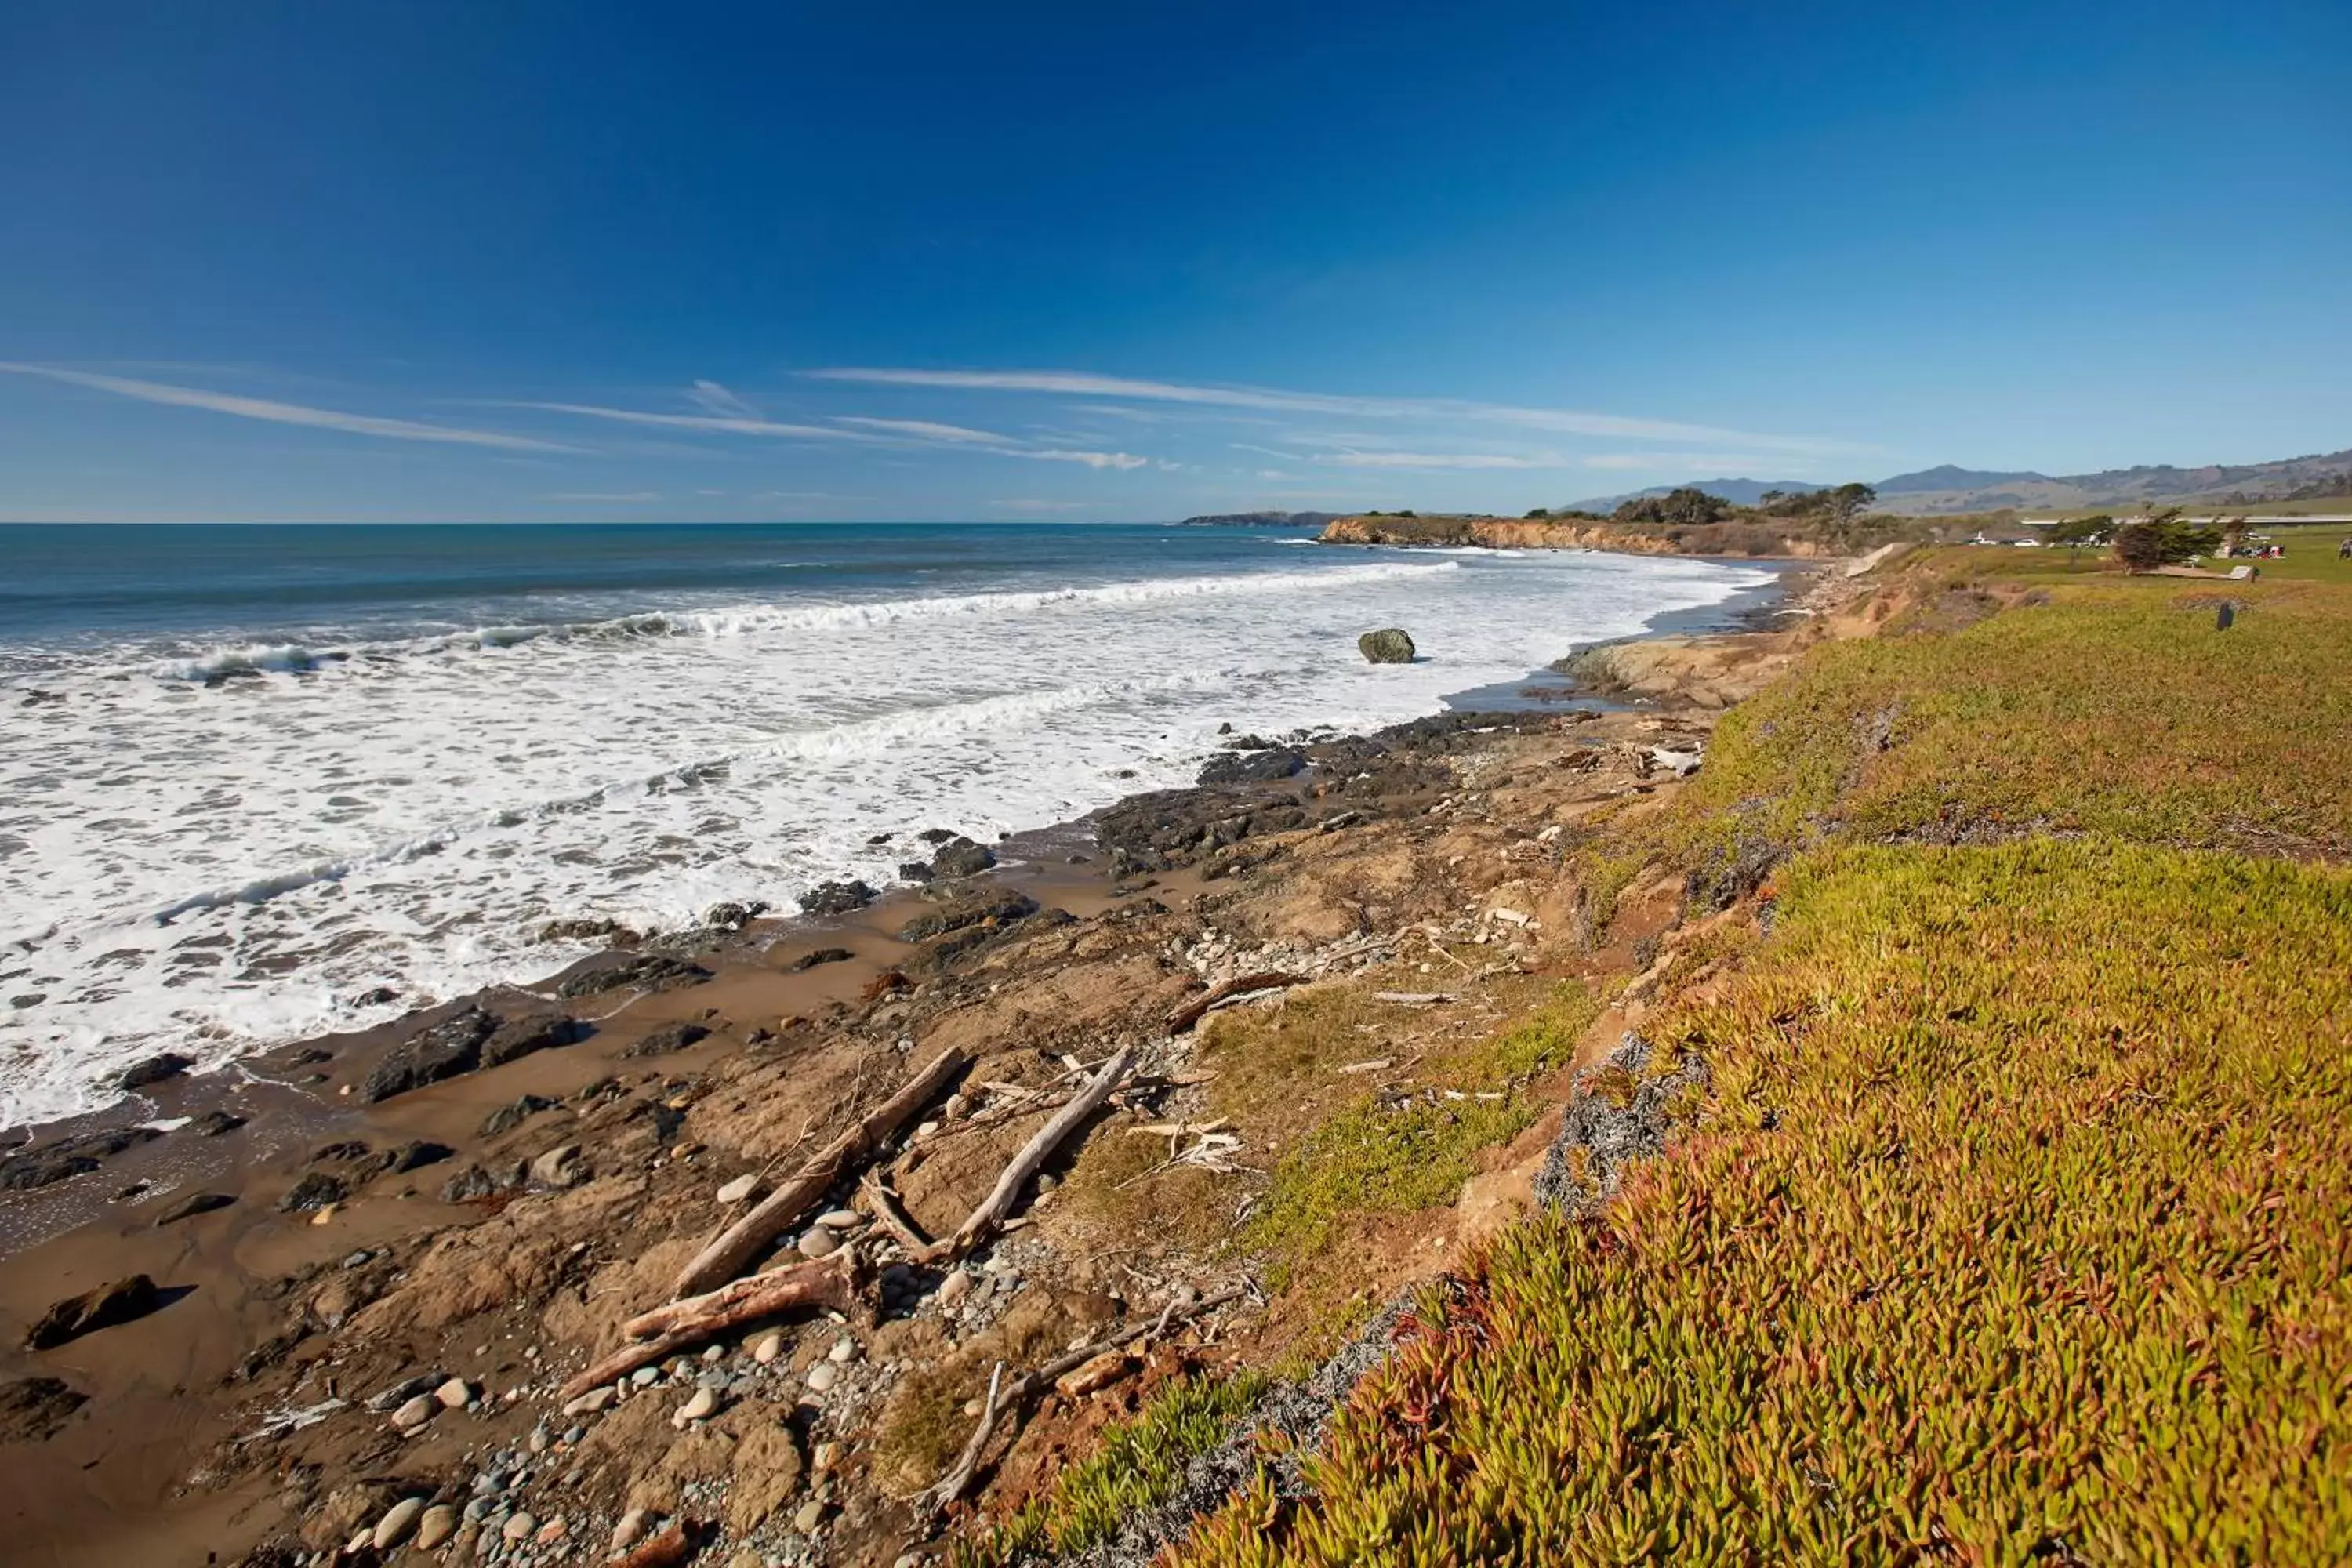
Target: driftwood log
[[1192, 1012], [736, 1245], [829, 1283], [999, 1202], [1007, 1402]]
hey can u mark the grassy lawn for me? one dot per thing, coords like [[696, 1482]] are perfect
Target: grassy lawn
[[2017, 1221]]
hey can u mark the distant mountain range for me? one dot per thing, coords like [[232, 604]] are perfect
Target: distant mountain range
[[1260, 520], [1947, 489]]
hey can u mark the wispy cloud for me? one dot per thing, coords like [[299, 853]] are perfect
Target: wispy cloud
[[1059, 454], [1266, 451], [1085, 383], [924, 430], [715, 423], [1438, 461], [278, 413], [608, 498], [854, 428], [714, 399]]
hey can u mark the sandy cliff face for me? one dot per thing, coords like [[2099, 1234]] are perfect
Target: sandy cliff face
[[1518, 533]]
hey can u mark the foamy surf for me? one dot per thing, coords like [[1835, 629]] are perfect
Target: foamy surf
[[231, 845]]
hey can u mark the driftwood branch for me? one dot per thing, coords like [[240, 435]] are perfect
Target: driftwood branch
[[826, 1282], [1009, 1404], [736, 1245], [888, 1215], [1192, 1012], [999, 1202]]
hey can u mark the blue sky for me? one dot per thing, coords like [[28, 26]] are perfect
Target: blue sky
[[443, 262]]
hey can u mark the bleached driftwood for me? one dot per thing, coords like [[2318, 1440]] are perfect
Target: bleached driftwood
[[737, 1245], [829, 1283], [999, 1202], [1192, 1012]]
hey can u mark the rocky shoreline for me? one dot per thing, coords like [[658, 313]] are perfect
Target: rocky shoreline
[[375, 1263]]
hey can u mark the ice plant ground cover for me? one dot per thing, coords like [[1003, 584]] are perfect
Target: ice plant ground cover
[[2014, 1223]]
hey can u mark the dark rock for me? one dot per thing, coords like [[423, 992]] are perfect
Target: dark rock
[[586, 930], [155, 1069], [822, 955], [733, 916], [213, 1124], [1001, 905], [468, 1184], [963, 857], [655, 972], [506, 1117], [62, 1159], [936, 835], [835, 897], [879, 838], [1389, 647], [341, 1154], [32, 1408], [915, 871], [194, 1205], [670, 1038], [1254, 767], [313, 1193], [518, 1037], [444, 1050], [415, 1154], [309, 1055], [380, 997], [124, 1301]]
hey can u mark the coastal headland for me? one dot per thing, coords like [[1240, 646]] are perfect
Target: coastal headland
[[1860, 988]]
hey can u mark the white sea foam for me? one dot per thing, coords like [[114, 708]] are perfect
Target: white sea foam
[[228, 849]]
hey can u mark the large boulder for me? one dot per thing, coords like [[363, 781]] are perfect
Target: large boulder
[[835, 897], [533, 1032], [445, 1049], [123, 1301], [963, 857], [1392, 646], [999, 907], [1254, 767]]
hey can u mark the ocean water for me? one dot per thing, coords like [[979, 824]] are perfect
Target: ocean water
[[249, 776]]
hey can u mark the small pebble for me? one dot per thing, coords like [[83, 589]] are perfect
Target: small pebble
[[768, 1349], [810, 1516], [818, 1242], [715, 1354], [551, 1532], [841, 1219], [740, 1188], [843, 1353], [645, 1376], [519, 1526], [697, 1408], [416, 1413], [455, 1394], [822, 1375], [955, 1288]]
